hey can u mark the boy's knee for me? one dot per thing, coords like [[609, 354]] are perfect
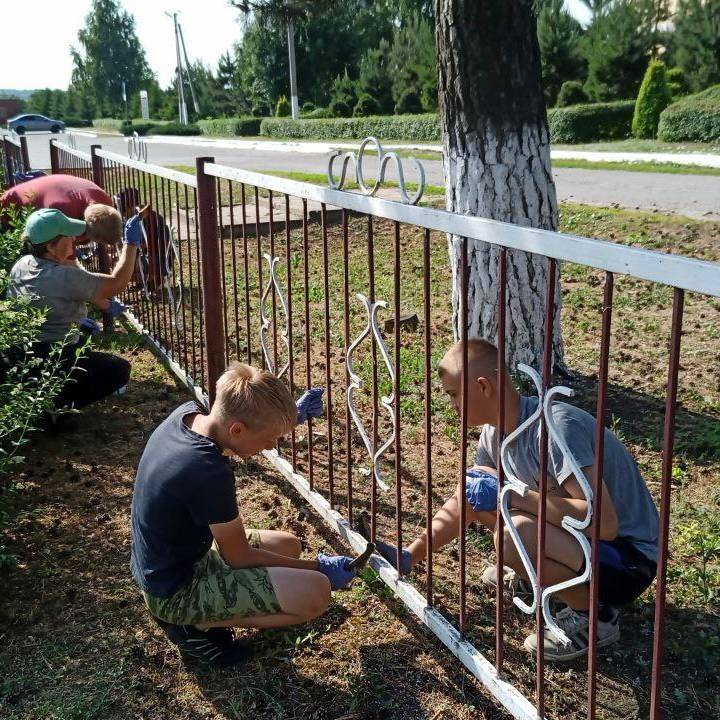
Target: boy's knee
[[320, 599], [290, 545]]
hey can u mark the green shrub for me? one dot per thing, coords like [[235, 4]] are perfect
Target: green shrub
[[653, 98], [230, 126], [174, 128], [695, 118], [77, 122], [421, 128], [408, 103], [283, 109], [108, 123], [588, 123], [143, 128], [307, 107], [366, 106], [29, 386], [677, 83], [572, 92], [320, 112], [340, 107]]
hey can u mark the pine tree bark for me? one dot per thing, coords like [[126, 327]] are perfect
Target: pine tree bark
[[497, 161]]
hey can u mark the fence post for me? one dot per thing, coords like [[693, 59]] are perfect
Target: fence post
[[211, 267], [54, 158], [98, 174], [10, 181], [24, 153]]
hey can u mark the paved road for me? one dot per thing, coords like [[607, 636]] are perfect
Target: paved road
[[695, 196]]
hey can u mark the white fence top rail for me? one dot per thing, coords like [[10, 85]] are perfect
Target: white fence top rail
[[72, 151], [159, 170], [675, 270]]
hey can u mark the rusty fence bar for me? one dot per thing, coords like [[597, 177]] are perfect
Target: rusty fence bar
[[366, 258], [15, 156]]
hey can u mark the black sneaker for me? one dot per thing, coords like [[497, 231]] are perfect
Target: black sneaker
[[215, 647]]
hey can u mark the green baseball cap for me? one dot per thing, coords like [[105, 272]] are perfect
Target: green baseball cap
[[47, 224]]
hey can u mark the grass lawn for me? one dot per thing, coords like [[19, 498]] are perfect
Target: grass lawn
[[77, 642]]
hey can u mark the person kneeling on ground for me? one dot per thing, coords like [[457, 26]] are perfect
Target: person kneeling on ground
[[201, 572], [50, 276], [629, 520]]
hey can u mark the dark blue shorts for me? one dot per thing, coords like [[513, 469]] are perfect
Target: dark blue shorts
[[624, 572]]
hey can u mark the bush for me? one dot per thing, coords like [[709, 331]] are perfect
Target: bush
[[307, 107], [695, 118], [283, 109], [174, 128], [76, 122], [366, 106], [677, 83], [108, 123], [144, 128], [28, 386], [572, 93], [317, 113], [421, 128], [587, 123], [340, 107], [653, 98], [408, 103], [230, 126]]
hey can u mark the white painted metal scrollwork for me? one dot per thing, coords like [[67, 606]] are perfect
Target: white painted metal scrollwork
[[72, 140], [356, 383], [516, 485], [383, 159], [137, 148], [265, 320]]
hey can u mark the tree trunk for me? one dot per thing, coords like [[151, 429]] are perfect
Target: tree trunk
[[497, 161]]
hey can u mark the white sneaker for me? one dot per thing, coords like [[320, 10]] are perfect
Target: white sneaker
[[576, 626]]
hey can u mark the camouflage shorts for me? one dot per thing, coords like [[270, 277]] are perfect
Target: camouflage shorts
[[218, 592]]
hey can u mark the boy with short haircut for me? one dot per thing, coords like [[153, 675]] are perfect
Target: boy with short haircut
[[200, 571], [629, 519]]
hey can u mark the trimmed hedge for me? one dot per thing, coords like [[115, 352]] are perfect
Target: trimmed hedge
[[695, 118], [149, 128], [572, 93], [588, 123], [76, 122], [230, 126], [424, 128], [653, 98], [107, 123]]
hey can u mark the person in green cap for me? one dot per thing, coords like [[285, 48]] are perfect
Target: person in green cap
[[50, 277]]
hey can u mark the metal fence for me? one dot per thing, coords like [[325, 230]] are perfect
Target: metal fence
[[314, 284], [15, 157]]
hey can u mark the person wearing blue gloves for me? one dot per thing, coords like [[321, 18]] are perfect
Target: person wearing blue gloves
[[200, 571], [629, 519], [50, 276]]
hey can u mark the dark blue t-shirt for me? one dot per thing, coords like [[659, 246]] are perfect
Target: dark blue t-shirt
[[183, 485]]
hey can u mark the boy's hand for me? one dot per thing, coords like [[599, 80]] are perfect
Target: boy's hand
[[310, 405], [115, 308], [335, 568], [89, 326], [481, 490], [133, 231]]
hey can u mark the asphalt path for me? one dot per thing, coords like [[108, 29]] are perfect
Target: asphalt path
[[696, 196]]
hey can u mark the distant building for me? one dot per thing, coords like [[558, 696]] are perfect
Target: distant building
[[9, 107]]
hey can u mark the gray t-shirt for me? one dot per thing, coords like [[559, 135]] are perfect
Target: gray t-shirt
[[63, 289], [637, 514]]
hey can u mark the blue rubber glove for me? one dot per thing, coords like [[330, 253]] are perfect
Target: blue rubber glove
[[334, 567], [89, 326], [389, 552], [133, 231], [115, 308], [310, 405], [481, 490]]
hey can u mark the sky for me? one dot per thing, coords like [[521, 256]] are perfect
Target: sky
[[36, 52]]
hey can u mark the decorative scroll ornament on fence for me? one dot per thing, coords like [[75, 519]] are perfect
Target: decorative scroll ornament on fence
[[265, 320], [72, 140], [137, 148], [356, 383], [514, 484], [383, 159]]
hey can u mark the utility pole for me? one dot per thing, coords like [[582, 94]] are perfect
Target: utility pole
[[293, 79], [187, 70], [182, 107]]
